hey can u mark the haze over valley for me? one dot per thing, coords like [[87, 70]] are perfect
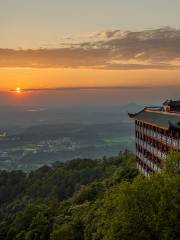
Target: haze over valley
[[40, 127]]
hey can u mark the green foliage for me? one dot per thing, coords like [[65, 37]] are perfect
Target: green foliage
[[92, 200], [89, 192], [32, 222], [172, 163], [144, 209], [68, 231], [63, 232], [11, 185]]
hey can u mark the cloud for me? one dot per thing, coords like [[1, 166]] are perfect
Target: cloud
[[149, 49]]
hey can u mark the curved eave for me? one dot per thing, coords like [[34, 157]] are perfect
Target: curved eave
[[132, 115]]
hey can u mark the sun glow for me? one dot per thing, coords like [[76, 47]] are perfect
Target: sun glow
[[18, 90]]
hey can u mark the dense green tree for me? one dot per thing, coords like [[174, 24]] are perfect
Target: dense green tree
[[63, 232], [39, 228], [92, 200], [148, 208], [68, 231], [172, 163], [11, 185]]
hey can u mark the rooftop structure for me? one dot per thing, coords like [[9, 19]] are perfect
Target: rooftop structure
[[157, 131]]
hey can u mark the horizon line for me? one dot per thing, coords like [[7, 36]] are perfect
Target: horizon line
[[89, 88]]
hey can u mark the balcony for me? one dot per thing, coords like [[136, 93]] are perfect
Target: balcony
[[148, 162], [154, 151], [142, 170], [162, 138]]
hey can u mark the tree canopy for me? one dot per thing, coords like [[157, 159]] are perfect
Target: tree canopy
[[87, 199]]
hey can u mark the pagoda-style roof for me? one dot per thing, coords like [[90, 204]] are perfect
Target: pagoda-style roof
[[172, 103], [160, 119]]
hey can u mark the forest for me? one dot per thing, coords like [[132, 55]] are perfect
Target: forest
[[85, 199]]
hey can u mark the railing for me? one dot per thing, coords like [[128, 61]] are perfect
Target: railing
[[159, 136], [149, 163], [151, 149], [142, 170]]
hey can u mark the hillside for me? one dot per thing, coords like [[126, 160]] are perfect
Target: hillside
[[89, 200]]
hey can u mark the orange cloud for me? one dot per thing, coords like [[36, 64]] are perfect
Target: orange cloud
[[114, 50]]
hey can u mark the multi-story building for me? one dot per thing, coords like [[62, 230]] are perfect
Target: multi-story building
[[157, 132]]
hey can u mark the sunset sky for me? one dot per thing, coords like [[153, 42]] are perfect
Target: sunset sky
[[59, 44]]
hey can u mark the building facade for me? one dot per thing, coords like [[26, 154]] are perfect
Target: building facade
[[157, 132]]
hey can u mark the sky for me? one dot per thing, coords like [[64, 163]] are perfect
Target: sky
[[34, 23], [102, 43]]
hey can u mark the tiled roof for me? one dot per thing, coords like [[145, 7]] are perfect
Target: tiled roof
[[156, 118], [172, 103]]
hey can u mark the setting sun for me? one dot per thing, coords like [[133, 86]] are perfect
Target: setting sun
[[18, 90]]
